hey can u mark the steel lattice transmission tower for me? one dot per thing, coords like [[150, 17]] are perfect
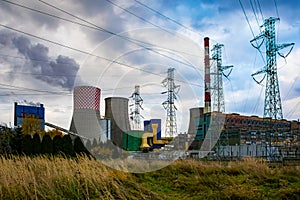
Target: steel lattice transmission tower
[[218, 73], [169, 104], [135, 114], [272, 107]]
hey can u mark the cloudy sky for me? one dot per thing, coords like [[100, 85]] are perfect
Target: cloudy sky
[[48, 47]]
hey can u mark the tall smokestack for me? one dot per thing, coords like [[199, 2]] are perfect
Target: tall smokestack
[[207, 94]]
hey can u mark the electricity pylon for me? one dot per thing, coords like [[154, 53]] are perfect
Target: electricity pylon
[[272, 107], [135, 114], [218, 73], [169, 104]]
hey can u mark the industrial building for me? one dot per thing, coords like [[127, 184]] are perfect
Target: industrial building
[[146, 140], [236, 132], [28, 111], [240, 129]]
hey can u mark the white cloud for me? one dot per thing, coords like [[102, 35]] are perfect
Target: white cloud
[[229, 27]]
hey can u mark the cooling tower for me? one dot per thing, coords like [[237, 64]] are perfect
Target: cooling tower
[[116, 109], [86, 115], [195, 115]]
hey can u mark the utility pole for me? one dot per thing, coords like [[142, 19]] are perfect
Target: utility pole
[[135, 114], [218, 72], [169, 106], [272, 107]]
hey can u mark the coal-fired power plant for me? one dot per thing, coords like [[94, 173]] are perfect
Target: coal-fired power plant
[[210, 131]]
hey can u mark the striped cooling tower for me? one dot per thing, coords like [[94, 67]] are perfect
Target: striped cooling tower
[[87, 97], [116, 109], [86, 114]]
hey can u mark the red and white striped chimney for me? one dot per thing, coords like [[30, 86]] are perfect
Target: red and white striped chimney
[[207, 94]]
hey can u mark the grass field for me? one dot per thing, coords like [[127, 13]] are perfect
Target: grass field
[[83, 178]]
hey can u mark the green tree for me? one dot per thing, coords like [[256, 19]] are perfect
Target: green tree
[[31, 126], [27, 145], [36, 144], [5, 137], [47, 145], [57, 144], [79, 147], [16, 141], [67, 146]]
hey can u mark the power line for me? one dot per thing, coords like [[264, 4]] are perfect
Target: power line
[[32, 59], [261, 13], [254, 12], [292, 111], [134, 41], [246, 17], [51, 15], [251, 28], [169, 18], [278, 17], [98, 28], [290, 89], [141, 18], [31, 94], [90, 54], [276, 8], [34, 90]]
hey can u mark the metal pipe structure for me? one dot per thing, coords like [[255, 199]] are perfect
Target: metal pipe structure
[[64, 130], [207, 93], [153, 135]]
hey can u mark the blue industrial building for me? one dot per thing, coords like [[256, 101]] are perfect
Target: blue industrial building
[[29, 111]]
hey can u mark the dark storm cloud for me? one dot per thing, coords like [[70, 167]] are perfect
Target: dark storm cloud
[[59, 72]]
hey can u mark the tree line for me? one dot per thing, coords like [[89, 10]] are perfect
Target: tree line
[[17, 142]]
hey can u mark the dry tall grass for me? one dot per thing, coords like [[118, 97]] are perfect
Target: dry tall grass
[[61, 178], [83, 178]]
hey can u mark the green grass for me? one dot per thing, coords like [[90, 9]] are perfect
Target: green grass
[[82, 178]]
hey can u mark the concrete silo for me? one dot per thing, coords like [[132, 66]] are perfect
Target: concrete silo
[[86, 119], [116, 109]]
